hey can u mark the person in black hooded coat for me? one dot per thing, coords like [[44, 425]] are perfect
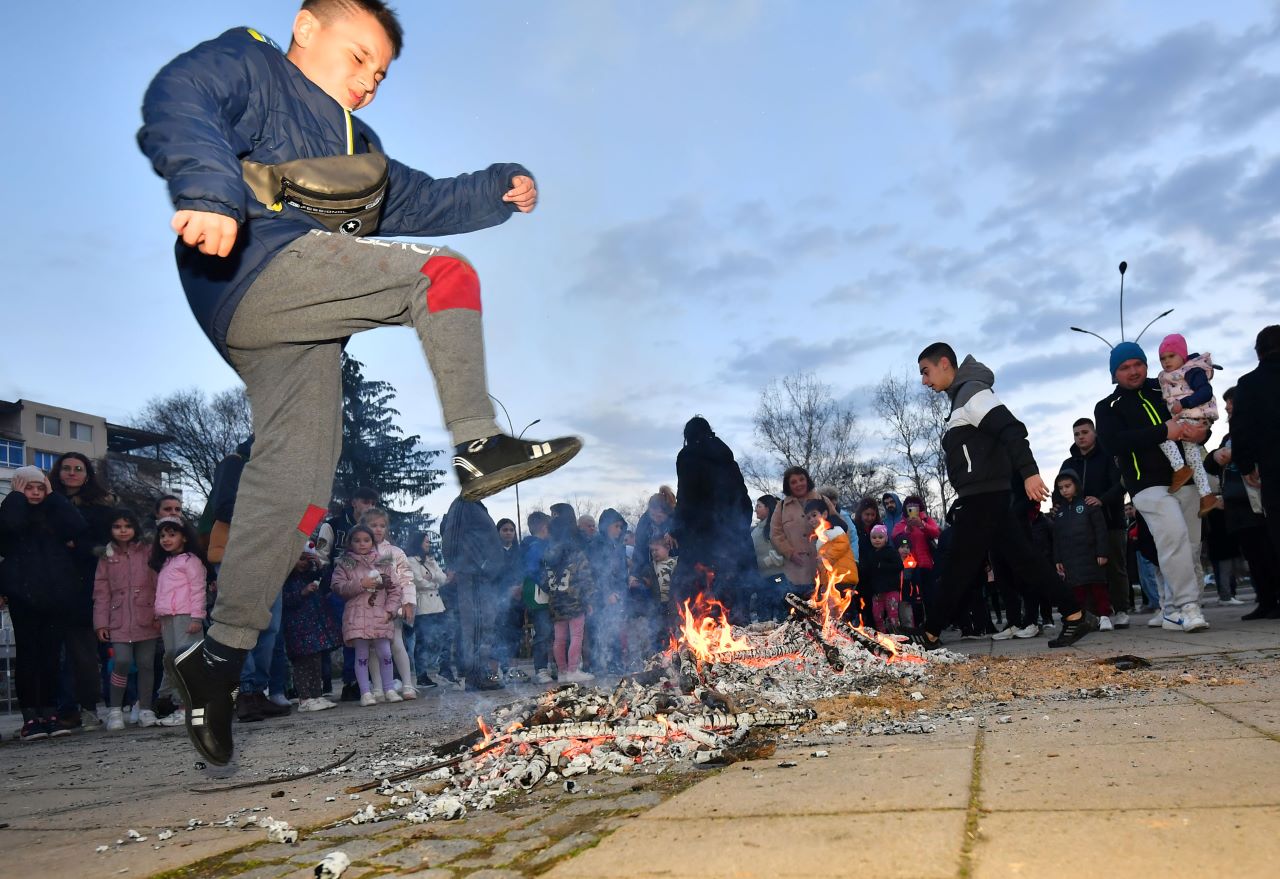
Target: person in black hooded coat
[[712, 522], [474, 560]]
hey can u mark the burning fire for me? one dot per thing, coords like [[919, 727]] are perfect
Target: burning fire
[[485, 731], [706, 630]]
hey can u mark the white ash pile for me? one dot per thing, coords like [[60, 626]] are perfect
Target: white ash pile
[[693, 704]]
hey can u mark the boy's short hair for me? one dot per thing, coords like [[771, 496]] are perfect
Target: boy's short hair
[[536, 519], [368, 495], [935, 352], [662, 540], [1229, 394], [327, 10], [817, 506], [1080, 421]]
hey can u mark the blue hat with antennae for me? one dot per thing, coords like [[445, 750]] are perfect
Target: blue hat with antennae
[[1125, 351]]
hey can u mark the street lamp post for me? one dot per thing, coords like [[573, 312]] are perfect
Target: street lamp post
[[520, 435]]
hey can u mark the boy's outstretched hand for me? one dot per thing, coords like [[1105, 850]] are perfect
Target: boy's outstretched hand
[[210, 233], [523, 193]]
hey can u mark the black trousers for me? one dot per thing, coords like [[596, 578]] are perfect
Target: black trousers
[[1264, 568], [38, 640], [985, 524]]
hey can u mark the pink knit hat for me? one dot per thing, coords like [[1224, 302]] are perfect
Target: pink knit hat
[[879, 529], [1174, 343]]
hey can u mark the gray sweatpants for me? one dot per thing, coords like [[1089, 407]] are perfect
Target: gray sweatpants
[[1175, 524], [285, 341]]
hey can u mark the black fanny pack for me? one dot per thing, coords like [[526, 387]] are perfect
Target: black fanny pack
[[344, 193]]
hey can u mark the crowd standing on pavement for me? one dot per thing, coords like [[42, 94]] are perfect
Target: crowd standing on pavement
[[97, 597]]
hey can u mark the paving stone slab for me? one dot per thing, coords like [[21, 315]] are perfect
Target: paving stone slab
[[1028, 773], [784, 847], [1136, 724], [572, 842], [1168, 843], [440, 851], [1262, 713], [889, 776]]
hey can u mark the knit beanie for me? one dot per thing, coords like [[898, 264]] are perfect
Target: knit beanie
[[32, 474], [879, 530], [1125, 351], [1174, 343]]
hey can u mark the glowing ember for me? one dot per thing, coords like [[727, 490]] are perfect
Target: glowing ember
[[484, 729]]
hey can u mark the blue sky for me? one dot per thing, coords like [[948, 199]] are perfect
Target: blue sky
[[730, 191]]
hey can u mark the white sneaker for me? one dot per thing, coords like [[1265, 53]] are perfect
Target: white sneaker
[[280, 699], [577, 677], [1104, 624], [146, 717], [1004, 634], [1120, 620], [409, 693], [1232, 601], [89, 719], [543, 677], [368, 699], [115, 719], [397, 685], [135, 715], [317, 704], [177, 718], [1156, 621], [1027, 631], [393, 696], [378, 696], [1192, 618]]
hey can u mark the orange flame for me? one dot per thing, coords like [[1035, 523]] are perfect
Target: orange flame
[[488, 734], [706, 631]]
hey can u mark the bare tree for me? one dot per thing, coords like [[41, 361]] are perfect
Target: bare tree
[[800, 423], [205, 429], [913, 423]]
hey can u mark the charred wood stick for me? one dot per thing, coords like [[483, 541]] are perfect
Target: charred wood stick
[[755, 653], [244, 785], [686, 669], [863, 639], [423, 770]]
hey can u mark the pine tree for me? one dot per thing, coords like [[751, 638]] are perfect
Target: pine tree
[[376, 455]]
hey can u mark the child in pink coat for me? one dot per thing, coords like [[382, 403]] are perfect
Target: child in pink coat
[[373, 594], [180, 594], [124, 615]]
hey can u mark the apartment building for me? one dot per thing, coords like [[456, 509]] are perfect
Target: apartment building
[[37, 433]]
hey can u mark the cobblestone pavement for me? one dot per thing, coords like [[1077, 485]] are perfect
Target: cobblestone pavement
[[62, 799]]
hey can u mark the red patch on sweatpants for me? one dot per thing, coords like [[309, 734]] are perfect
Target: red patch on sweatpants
[[311, 519], [454, 284]]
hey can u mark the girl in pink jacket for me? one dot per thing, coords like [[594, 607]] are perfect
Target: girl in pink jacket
[[180, 596], [124, 615], [378, 522], [373, 594]]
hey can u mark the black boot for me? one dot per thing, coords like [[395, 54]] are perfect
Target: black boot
[[487, 466], [247, 708], [207, 676], [350, 693], [1261, 612]]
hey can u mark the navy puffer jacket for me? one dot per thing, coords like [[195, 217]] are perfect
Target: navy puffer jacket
[[238, 97]]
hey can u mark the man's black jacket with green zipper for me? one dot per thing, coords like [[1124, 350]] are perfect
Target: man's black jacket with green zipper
[[1131, 427]]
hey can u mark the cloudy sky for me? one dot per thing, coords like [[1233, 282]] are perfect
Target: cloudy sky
[[731, 191]]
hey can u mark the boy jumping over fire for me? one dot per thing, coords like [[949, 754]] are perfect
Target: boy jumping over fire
[[275, 183]]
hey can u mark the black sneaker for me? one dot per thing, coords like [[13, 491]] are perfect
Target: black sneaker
[[164, 706], [425, 682], [1074, 630], [350, 693], [487, 466], [60, 726], [248, 709], [921, 640], [34, 729], [207, 685]]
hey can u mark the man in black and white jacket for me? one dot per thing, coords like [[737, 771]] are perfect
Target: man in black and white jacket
[[984, 444]]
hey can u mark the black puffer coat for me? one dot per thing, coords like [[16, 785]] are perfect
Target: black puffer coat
[[1079, 538], [39, 571]]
